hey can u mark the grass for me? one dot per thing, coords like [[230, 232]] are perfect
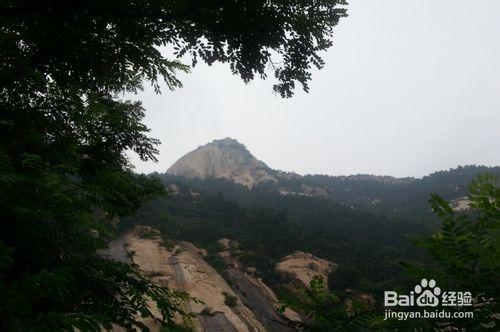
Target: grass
[[145, 233]]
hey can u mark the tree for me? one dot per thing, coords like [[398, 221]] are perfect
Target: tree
[[326, 312], [111, 45], [465, 251], [64, 134]]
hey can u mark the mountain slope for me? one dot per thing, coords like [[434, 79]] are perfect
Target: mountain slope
[[219, 305], [225, 158]]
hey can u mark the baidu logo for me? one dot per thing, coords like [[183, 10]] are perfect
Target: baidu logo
[[427, 294]]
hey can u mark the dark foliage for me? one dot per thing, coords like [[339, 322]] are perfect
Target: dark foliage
[[465, 253], [115, 42], [464, 256], [326, 312]]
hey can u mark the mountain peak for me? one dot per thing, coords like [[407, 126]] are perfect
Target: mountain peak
[[228, 141], [223, 158]]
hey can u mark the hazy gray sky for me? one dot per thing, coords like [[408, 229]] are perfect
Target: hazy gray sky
[[409, 87]]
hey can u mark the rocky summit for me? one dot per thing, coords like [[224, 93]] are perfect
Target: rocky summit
[[224, 158]]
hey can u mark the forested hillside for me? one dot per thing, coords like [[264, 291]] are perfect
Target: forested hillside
[[366, 225]]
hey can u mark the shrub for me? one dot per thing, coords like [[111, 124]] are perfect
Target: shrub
[[230, 300], [207, 311]]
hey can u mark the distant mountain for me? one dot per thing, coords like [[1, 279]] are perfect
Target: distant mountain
[[224, 158], [229, 162]]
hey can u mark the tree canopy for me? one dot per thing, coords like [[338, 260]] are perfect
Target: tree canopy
[[466, 249], [112, 45]]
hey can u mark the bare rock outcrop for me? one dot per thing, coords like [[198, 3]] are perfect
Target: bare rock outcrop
[[225, 158], [300, 268], [460, 204], [183, 268], [228, 159], [248, 305], [254, 292]]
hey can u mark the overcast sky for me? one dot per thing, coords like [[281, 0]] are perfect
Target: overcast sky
[[409, 88]]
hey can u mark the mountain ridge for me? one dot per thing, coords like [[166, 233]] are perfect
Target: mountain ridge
[[228, 159]]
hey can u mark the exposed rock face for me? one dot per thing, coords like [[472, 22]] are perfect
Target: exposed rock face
[[254, 292], [183, 268], [225, 158], [300, 267], [173, 189], [460, 204], [306, 191], [227, 244], [228, 159], [263, 301]]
